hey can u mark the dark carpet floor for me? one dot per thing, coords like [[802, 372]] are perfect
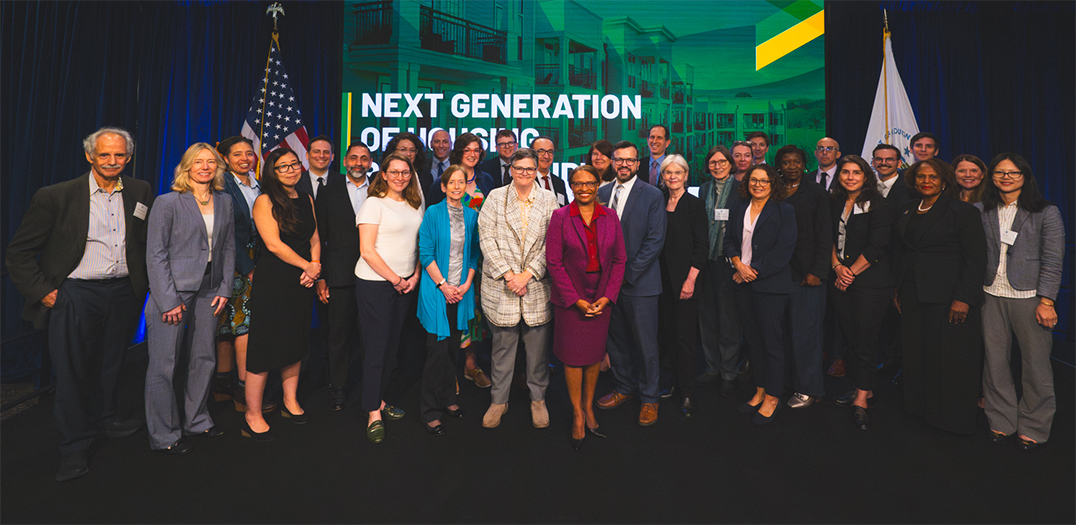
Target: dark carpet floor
[[810, 466]]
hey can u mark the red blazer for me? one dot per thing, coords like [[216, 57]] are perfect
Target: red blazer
[[566, 256]]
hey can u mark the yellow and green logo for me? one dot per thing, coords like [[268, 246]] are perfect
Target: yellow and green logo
[[797, 23]]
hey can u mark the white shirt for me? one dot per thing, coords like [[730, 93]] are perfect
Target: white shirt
[[314, 181], [250, 193], [885, 185], [624, 192], [357, 194], [748, 233], [397, 236], [1001, 287], [207, 218], [828, 176]]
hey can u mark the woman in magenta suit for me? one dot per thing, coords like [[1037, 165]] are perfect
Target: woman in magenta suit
[[585, 260]]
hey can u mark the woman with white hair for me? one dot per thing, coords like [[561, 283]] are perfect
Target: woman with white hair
[[683, 259]]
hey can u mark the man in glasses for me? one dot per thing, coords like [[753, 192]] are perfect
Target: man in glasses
[[886, 161], [547, 152], [827, 151], [633, 329], [498, 167]]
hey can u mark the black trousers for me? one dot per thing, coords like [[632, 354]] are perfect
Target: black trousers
[[678, 322], [90, 327], [411, 354], [860, 314], [342, 315], [382, 309], [764, 318], [439, 374]]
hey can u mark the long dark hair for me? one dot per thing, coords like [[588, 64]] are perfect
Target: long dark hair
[[870, 181], [284, 211], [420, 150], [1030, 198]]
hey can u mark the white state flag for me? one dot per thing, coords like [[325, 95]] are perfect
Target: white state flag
[[892, 119]]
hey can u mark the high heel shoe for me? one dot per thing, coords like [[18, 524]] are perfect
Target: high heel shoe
[[247, 432], [298, 419], [577, 443], [595, 432]]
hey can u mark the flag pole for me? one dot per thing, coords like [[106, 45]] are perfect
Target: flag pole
[[273, 10], [885, 74]]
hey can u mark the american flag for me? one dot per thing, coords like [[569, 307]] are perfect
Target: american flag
[[273, 119]]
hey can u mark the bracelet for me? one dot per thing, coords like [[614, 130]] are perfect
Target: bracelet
[[398, 282], [1047, 302], [315, 261]]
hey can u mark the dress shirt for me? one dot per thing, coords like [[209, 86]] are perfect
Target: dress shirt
[[250, 193], [207, 218], [357, 194], [885, 185], [106, 240], [547, 183], [748, 233], [506, 175], [623, 198], [825, 178], [314, 186], [525, 208], [437, 168], [1001, 287], [655, 169]]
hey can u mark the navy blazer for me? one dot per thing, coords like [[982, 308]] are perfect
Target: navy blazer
[[337, 232], [867, 234], [772, 244], [177, 248], [643, 224], [947, 254], [492, 166], [245, 231], [1033, 262], [482, 179]]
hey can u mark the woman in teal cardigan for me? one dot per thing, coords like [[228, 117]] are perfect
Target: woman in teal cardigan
[[448, 250]]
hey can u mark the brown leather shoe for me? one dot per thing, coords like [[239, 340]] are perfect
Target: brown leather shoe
[[648, 415], [837, 368], [478, 377], [612, 400]]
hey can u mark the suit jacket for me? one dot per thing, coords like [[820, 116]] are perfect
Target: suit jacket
[[505, 249], [1033, 262], [814, 238], [560, 190], [685, 247], [643, 224], [899, 195], [772, 244], [55, 228], [177, 248], [867, 234], [482, 179], [246, 233], [425, 179], [566, 256], [493, 168], [948, 252], [337, 231]]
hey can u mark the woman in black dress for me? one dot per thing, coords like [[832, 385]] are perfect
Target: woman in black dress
[[683, 259], [287, 269], [940, 263]]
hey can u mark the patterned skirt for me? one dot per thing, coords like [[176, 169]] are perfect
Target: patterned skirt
[[235, 318]]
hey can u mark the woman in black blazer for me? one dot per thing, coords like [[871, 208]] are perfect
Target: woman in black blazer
[[940, 262], [759, 242], [862, 223], [683, 260]]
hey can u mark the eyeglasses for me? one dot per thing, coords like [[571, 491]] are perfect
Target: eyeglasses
[[471, 150], [719, 162], [399, 174], [880, 160], [284, 168], [677, 173], [506, 144], [629, 162], [585, 184], [758, 182], [826, 149], [542, 152], [1008, 174], [525, 171]]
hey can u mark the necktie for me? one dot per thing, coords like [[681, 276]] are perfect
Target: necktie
[[654, 172], [507, 176], [440, 169], [321, 184], [545, 180], [616, 199]]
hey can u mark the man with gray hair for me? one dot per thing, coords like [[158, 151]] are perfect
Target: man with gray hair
[[79, 258]]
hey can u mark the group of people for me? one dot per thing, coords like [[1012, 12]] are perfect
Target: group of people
[[633, 273]]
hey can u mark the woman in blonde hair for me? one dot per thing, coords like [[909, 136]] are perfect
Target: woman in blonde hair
[[190, 258]]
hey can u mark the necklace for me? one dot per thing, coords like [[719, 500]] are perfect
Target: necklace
[[474, 175], [796, 185], [209, 197], [921, 209]]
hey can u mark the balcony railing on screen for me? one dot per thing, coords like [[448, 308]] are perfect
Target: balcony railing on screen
[[581, 136], [547, 74], [373, 23], [552, 133], [449, 34], [580, 77]]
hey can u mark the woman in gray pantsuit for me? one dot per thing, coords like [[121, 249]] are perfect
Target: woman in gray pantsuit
[[1024, 249], [190, 259]]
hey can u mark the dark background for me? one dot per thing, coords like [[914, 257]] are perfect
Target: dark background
[[985, 77]]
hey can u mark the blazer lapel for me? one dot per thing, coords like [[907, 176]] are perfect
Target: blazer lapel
[[767, 211], [188, 203], [577, 224], [534, 220], [992, 223], [1018, 221], [218, 213], [511, 213], [931, 217], [82, 210]]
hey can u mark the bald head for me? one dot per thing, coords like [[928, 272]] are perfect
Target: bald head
[[827, 151]]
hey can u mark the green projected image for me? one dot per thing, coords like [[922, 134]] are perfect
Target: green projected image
[[582, 70]]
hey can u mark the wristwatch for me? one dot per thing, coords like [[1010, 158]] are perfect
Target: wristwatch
[[443, 281]]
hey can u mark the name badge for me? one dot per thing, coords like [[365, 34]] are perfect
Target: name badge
[[560, 199], [721, 214], [1008, 237], [140, 210]]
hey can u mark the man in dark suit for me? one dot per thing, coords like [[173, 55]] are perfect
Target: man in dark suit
[[657, 141], [319, 157], [826, 151], [497, 167], [886, 160], [440, 149], [336, 210], [79, 258], [545, 178], [633, 329]]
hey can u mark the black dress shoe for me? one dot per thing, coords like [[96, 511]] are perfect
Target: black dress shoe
[[458, 413], [179, 448], [73, 465], [247, 432], [687, 407], [859, 415], [846, 399], [122, 427], [438, 430], [706, 378], [727, 386], [1027, 444], [998, 438], [300, 419], [337, 398], [213, 432]]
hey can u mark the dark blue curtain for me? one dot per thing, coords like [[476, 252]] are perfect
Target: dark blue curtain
[[172, 73], [985, 77]]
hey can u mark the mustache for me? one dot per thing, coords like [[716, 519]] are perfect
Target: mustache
[[112, 166]]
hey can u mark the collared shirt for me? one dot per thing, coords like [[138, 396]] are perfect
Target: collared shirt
[[1001, 287], [655, 169], [250, 193], [623, 198], [593, 263], [525, 208], [437, 168], [826, 177], [748, 235], [106, 239], [314, 181], [885, 185], [357, 194], [506, 175]]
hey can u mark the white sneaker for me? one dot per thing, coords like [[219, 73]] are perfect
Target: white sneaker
[[539, 414], [493, 415]]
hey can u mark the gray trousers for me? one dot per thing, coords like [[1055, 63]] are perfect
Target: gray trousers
[[1033, 413], [536, 344], [166, 344]]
